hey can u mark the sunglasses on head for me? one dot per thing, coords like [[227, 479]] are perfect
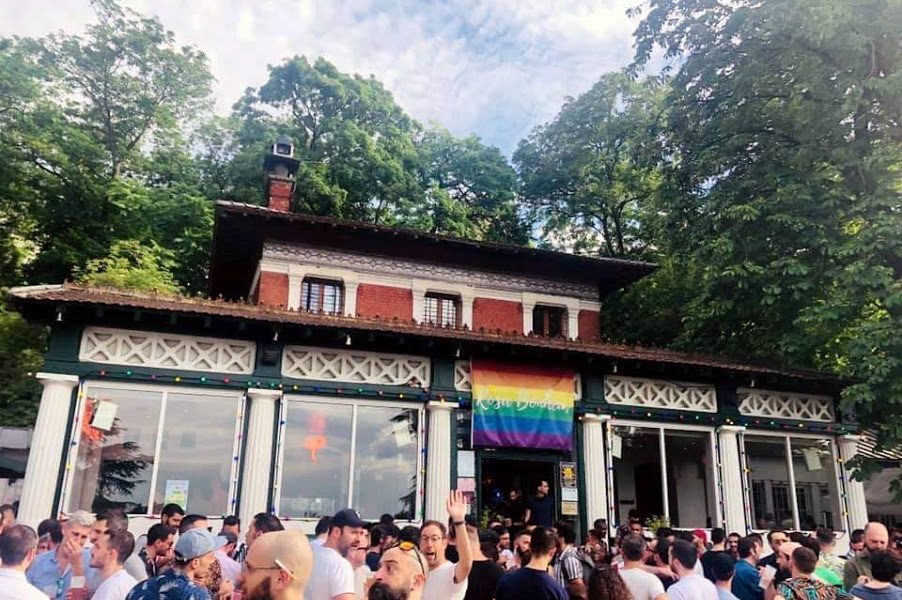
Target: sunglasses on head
[[406, 546]]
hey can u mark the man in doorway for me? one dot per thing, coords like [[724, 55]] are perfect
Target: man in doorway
[[278, 567], [18, 544], [401, 575], [876, 538], [446, 580], [532, 582], [514, 510], [332, 577], [690, 585], [540, 508]]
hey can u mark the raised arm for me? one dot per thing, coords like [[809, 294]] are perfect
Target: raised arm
[[457, 510]]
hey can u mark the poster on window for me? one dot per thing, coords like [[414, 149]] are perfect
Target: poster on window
[[515, 406], [177, 492]]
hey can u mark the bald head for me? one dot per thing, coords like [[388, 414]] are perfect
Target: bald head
[[289, 550], [876, 537]]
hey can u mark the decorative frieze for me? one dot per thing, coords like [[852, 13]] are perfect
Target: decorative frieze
[[782, 405], [349, 366], [380, 265], [656, 393], [166, 351]]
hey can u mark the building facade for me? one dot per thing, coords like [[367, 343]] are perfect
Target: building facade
[[346, 364]]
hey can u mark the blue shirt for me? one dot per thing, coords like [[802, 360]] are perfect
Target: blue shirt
[[528, 584], [745, 582], [723, 594], [169, 585], [44, 574]]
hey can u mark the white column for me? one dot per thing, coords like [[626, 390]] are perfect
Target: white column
[[855, 504], [573, 319], [466, 309], [527, 317], [595, 469], [438, 459], [256, 476], [46, 454], [732, 479]]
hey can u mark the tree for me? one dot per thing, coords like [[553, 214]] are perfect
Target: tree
[[132, 266], [590, 175], [784, 140]]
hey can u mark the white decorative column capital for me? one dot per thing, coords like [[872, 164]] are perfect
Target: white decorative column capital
[[856, 508], [256, 475], [438, 458], [731, 429], [593, 417], [46, 454]]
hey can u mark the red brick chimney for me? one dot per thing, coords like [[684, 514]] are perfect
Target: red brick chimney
[[279, 169]]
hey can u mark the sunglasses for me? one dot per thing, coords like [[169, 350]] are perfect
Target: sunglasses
[[406, 546], [278, 566]]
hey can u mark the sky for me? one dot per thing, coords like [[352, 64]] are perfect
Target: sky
[[493, 68]]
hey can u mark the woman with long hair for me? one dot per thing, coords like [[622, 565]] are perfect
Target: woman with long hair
[[605, 584]]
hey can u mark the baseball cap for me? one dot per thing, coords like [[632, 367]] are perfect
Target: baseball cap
[[701, 534], [347, 517], [197, 542]]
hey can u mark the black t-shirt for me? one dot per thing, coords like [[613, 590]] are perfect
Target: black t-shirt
[[514, 510], [529, 584], [372, 561], [483, 580], [542, 511], [707, 560]]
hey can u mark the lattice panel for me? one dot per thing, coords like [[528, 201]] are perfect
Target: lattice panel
[[654, 393], [462, 376], [166, 351], [780, 405], [323, 364]]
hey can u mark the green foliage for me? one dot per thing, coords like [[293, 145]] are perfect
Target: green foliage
[[132, 265], [21, 346]]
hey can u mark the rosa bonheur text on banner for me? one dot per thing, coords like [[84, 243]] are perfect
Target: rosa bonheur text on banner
[[522, 406]]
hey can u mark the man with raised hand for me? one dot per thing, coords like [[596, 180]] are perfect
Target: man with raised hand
[[333, 575], [446, 580], [277, 567]]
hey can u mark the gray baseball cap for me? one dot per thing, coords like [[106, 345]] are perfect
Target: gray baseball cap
[[197, 542]]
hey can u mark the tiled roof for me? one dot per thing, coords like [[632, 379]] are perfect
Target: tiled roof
[[867, 446], [76, 294]]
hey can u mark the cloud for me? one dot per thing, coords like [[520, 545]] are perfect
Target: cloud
[[495, 68]]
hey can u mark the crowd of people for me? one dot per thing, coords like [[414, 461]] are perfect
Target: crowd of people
[[95, 557]]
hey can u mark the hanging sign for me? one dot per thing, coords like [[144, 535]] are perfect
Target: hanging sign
[[522, 407]]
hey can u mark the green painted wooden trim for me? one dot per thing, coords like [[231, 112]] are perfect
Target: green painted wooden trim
[[582, 523]]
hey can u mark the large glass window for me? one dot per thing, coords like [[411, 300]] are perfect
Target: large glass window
[[141, 446], [339, 454], [779, 466], [677, 483]]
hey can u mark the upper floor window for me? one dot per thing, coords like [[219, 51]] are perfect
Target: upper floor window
[[321, 296], [442, 310], [549, 321]]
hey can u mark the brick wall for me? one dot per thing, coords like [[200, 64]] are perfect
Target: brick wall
[[589, 324], [279, 194], [384, 301], [273, 289], [493, 314]]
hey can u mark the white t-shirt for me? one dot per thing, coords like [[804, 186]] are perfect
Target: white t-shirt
[[641, 584], [332, 575], [361, 575], [692, 587], [115, 587], [440, 584]]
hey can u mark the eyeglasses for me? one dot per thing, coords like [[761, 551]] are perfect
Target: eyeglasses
[[406, 546], [279, 566]]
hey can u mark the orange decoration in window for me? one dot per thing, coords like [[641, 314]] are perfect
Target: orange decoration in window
[[314, 443], [88, 431]]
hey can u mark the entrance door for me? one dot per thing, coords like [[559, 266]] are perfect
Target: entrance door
[[498, 476], [648, 490]]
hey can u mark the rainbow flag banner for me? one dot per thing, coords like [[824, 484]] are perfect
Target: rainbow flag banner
[[522, 407]]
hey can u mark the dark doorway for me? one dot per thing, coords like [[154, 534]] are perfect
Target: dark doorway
[[498, 476], [648, 490]]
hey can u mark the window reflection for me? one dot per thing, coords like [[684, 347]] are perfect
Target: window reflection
[[385, 469], [815, 475], [197, 448], [316, 443], [690, 484], [114, 465], [637, 472]]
